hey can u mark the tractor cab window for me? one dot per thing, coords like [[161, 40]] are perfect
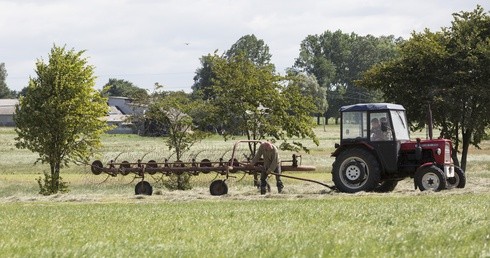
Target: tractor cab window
[[354, 125], [400, 126], [380, 128]]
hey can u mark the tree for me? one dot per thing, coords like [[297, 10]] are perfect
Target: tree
[[251, 100], [202, 87], [448, 70], [123, 88], [5, 92], [309, 87], [171, 111], [253, 49], [60, 115], [338, 59]]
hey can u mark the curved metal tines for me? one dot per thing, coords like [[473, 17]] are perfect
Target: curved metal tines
[[223, 166]]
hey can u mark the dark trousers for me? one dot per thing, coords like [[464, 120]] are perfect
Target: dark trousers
[[263, 177]]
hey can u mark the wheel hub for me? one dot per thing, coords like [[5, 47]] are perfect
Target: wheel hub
[[430, 181], [354, 172]]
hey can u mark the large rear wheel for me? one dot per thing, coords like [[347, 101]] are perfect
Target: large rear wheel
[[355, 170], [430, 178]]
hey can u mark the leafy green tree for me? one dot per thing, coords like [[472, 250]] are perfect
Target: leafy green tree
[[22, 92], [172, 113], [248, 46], [448, 70], [60, 115], [202, 87], [246, 96], [123, 88], [338, 59], [309, 87], [251, 100], [253, 49], [5, 92]]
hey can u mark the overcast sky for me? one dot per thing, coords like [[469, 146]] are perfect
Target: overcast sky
[[149, 41]]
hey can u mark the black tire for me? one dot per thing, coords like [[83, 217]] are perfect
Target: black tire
[[459, 179], [144, 188], [386, 186], [355, 170], [218, 187], [430, 178], [96, 167]]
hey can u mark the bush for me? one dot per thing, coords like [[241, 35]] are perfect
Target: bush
[[48, 186], [178, 182]]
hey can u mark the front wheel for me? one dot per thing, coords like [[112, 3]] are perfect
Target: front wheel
[[355, 170], [459, 179], [430, 178]]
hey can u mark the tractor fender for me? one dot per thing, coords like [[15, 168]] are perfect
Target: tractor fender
[[343, 147], [427, 164]]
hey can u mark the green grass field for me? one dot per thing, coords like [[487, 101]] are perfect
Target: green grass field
[[101, 217]]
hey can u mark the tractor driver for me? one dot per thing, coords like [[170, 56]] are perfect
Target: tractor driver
[[271, 164], [385, 129], [376, 133]]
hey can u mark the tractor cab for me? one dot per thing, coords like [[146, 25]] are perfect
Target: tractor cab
[[374, 122], [380, 127]]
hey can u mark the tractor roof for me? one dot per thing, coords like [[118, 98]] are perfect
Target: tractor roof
[[371, 107]]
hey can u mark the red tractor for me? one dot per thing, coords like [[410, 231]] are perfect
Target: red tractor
[[375, 152]]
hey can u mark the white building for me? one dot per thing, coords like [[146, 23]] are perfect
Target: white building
[[7, 111]]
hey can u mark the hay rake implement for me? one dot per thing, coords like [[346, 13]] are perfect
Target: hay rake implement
[[221, 167]]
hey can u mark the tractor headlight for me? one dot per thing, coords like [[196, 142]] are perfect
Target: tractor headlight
[[438, 151], [447, 153]]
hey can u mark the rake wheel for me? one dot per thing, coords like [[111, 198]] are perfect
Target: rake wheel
[[143, 187], [96, 167], [218, 187]]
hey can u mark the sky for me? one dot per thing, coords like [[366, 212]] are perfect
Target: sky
[[150, 41]]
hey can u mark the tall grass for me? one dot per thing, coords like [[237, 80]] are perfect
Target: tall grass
[[341, 226]]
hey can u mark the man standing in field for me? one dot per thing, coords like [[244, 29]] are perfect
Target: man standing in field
[[272, 163]]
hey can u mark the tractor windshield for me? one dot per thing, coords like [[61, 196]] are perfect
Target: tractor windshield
[[354, 125], [380, 129], [400, 126]]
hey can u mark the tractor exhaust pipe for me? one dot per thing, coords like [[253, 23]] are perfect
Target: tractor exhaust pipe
[[429, 122]]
